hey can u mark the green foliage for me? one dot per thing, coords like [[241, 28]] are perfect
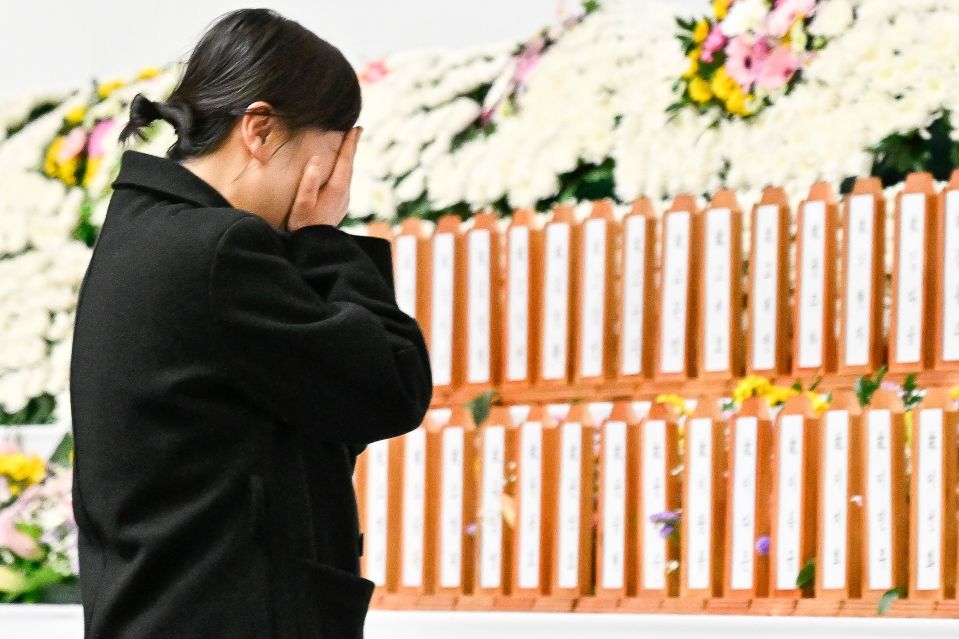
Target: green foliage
[[807, 575], [39, 410], [885, 602], [866, 386], [911, 393], [61, 456], [933, 150], [480, 406]]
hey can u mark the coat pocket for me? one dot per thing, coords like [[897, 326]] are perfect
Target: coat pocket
[[334, 602]]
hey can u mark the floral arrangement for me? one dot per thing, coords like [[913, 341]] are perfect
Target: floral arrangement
[[751, 52], [775, 395], [38, 535]]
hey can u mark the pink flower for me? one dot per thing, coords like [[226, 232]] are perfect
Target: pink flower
[[97, 135], [744, 58], [892, 387], [713, 43], [777, 68], [781, 19], [72, 145], [374, 72], [17, 541]]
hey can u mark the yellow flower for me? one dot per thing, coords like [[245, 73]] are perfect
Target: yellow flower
[[22, 470], [954, 392], [907, 419], [720, 8], [50, 159], [673, 400], [779, 395], [76, 114], [699, 90], [750, 386], [819, 403], [701, 31], [693, 68], [109, 87], [722, 84], [739, 102], [148, 72], [93, 164]]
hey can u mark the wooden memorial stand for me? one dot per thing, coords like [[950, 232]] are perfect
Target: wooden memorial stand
[[378, 502], [637, 291], [446, 306], [556, 302], [839, 538], [410, 275], [595, 296], [678, 292], [884, 519], [794, 505], [522, 303], [481, 349], [932, 507], [451, 481], [704, 501], [495, 482], [418, 500], [617, 518], [536, 471], [946, 354], [658, 488], [861, 345], [746, 572], [572, 456], [767, 343], [814, 342], [719, 325], [910, 341]]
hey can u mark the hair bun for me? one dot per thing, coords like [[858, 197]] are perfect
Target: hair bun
[[144, 111]]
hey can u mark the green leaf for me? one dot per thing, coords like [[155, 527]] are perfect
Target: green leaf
[[808, 573], [885, 602], [480, 406], [61, 456]]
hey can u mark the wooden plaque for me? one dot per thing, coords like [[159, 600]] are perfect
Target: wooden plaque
[[947, 277], [814, 340], [637, 293], [446, 305], [913, 296], [863, 281], [678, 292], [556, 300], [767, 343], [522, 306], [378, 502], [482, 308], [593, 343], [410, 276], [719, 326]]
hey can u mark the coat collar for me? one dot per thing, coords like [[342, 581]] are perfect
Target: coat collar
[[143, 170]]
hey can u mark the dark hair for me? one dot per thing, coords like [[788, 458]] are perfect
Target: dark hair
[[245, 56]]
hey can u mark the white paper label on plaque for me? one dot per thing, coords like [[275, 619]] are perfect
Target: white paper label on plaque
[[377, 517], [836, 469], [789, 517], [531, 504], [479, 306], [517, 332], [593, 311], [929, 510], [491, 522], [518, 413], [879, 499], [811, 302], [675, 293], [640, 408], [699, 435], [910, 247], [744, 504], [859, 272], [654, 501], [405, 274], [950, 279], [716, 279], [634, 291], [556, 301], [441, 333], [599, 411], [571, 449], [614, 503], [765, 288], [451, 508], [414, 502]]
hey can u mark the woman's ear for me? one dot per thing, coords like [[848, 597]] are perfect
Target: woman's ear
[[257, 126]]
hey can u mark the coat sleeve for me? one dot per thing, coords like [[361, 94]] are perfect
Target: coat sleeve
[[313, 330]]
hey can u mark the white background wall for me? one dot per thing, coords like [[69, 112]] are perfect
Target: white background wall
[[52, 44]]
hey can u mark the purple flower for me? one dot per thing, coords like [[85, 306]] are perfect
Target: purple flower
[[665, 517], [666, 531], [471, 528], [762, 545]]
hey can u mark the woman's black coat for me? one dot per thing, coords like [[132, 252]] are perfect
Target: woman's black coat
[[224, 376]]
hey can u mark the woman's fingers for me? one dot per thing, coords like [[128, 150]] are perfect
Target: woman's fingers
[[308, 191], [343, 169]]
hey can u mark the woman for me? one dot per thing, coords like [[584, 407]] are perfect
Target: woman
[[233, 351]]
